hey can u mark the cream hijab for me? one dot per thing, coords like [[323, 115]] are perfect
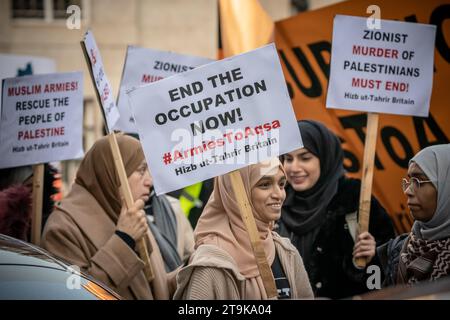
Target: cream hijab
[[221, 225]]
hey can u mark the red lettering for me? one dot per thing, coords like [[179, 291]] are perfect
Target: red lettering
[[375, 52], [366, 83], [177, 155], [397, 86]]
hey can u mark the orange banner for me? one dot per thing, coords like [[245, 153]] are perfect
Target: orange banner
[[304, 44], [244, 26]]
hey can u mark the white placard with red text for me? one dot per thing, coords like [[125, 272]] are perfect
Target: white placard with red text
[[42, 119], [102, 83], [386, 70], [215, 118], [143, 66]]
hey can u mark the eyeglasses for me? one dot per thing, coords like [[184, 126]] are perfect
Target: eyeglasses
[[415, 182]]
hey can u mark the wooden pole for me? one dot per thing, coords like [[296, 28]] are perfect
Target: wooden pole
[[249, 221], [124, 186], [367, 178], [129, 201], [38, 191]]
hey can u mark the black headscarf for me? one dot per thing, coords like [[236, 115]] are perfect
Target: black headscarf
[[303, 212]]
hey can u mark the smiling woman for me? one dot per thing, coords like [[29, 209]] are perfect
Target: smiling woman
[[318, 214], [223, 265], [268, 195]]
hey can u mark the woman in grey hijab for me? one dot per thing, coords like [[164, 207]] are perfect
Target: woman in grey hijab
[[424, 253]]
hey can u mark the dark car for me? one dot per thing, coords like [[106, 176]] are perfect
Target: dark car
[[30, 272]]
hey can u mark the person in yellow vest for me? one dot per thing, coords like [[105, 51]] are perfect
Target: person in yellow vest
[[193, 199]]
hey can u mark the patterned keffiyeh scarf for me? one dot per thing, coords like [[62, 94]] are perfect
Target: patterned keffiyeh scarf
[[426, 260]]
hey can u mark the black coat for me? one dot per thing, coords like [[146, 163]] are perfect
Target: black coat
[[330, 268], [388, 257]]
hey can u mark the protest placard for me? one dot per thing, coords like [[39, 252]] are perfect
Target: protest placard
[[42, 119], [143, 66], [379, 70], [386, 70], [305, 58], [110, 113], [104, 88], [214, 119]]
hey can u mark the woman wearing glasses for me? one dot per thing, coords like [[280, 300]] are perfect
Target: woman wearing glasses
[[424, 253], [320, 211]]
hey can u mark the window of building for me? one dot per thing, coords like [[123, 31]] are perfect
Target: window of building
[[60, 7], [28, 9], [48, 10]]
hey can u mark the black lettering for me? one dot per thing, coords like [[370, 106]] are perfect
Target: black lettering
[[173, 116], [261, 86], [212, 123], [290, 90], [419, 126], [197, 127], [227, 117], [358, 122], [387, 133], [352, 164], [313, 91], [174, 95], [438, 16], [412, 18], [161, 118], [317, 49], [366, 35], [237, 75]]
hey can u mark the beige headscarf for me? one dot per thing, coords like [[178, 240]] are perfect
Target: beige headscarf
[[221, 224], [98, 174]]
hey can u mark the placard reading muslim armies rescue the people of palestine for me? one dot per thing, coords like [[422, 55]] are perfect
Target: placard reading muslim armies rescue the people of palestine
[[215, 118], [143, 66], [102, 83], [42, 119], [385, 70]]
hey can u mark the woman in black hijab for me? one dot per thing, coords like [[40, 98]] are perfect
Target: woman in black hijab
[[319, 215]]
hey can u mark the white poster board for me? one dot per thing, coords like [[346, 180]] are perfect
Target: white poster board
[[12, 65], [42, 119], [143, 66], [214, 119], [386, 70], [102, 83]]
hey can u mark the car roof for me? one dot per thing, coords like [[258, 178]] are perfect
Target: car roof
[[15, 252], [18, 252]]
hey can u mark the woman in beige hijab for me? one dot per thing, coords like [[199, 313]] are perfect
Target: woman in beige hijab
[[93, 230], [223, 265]]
